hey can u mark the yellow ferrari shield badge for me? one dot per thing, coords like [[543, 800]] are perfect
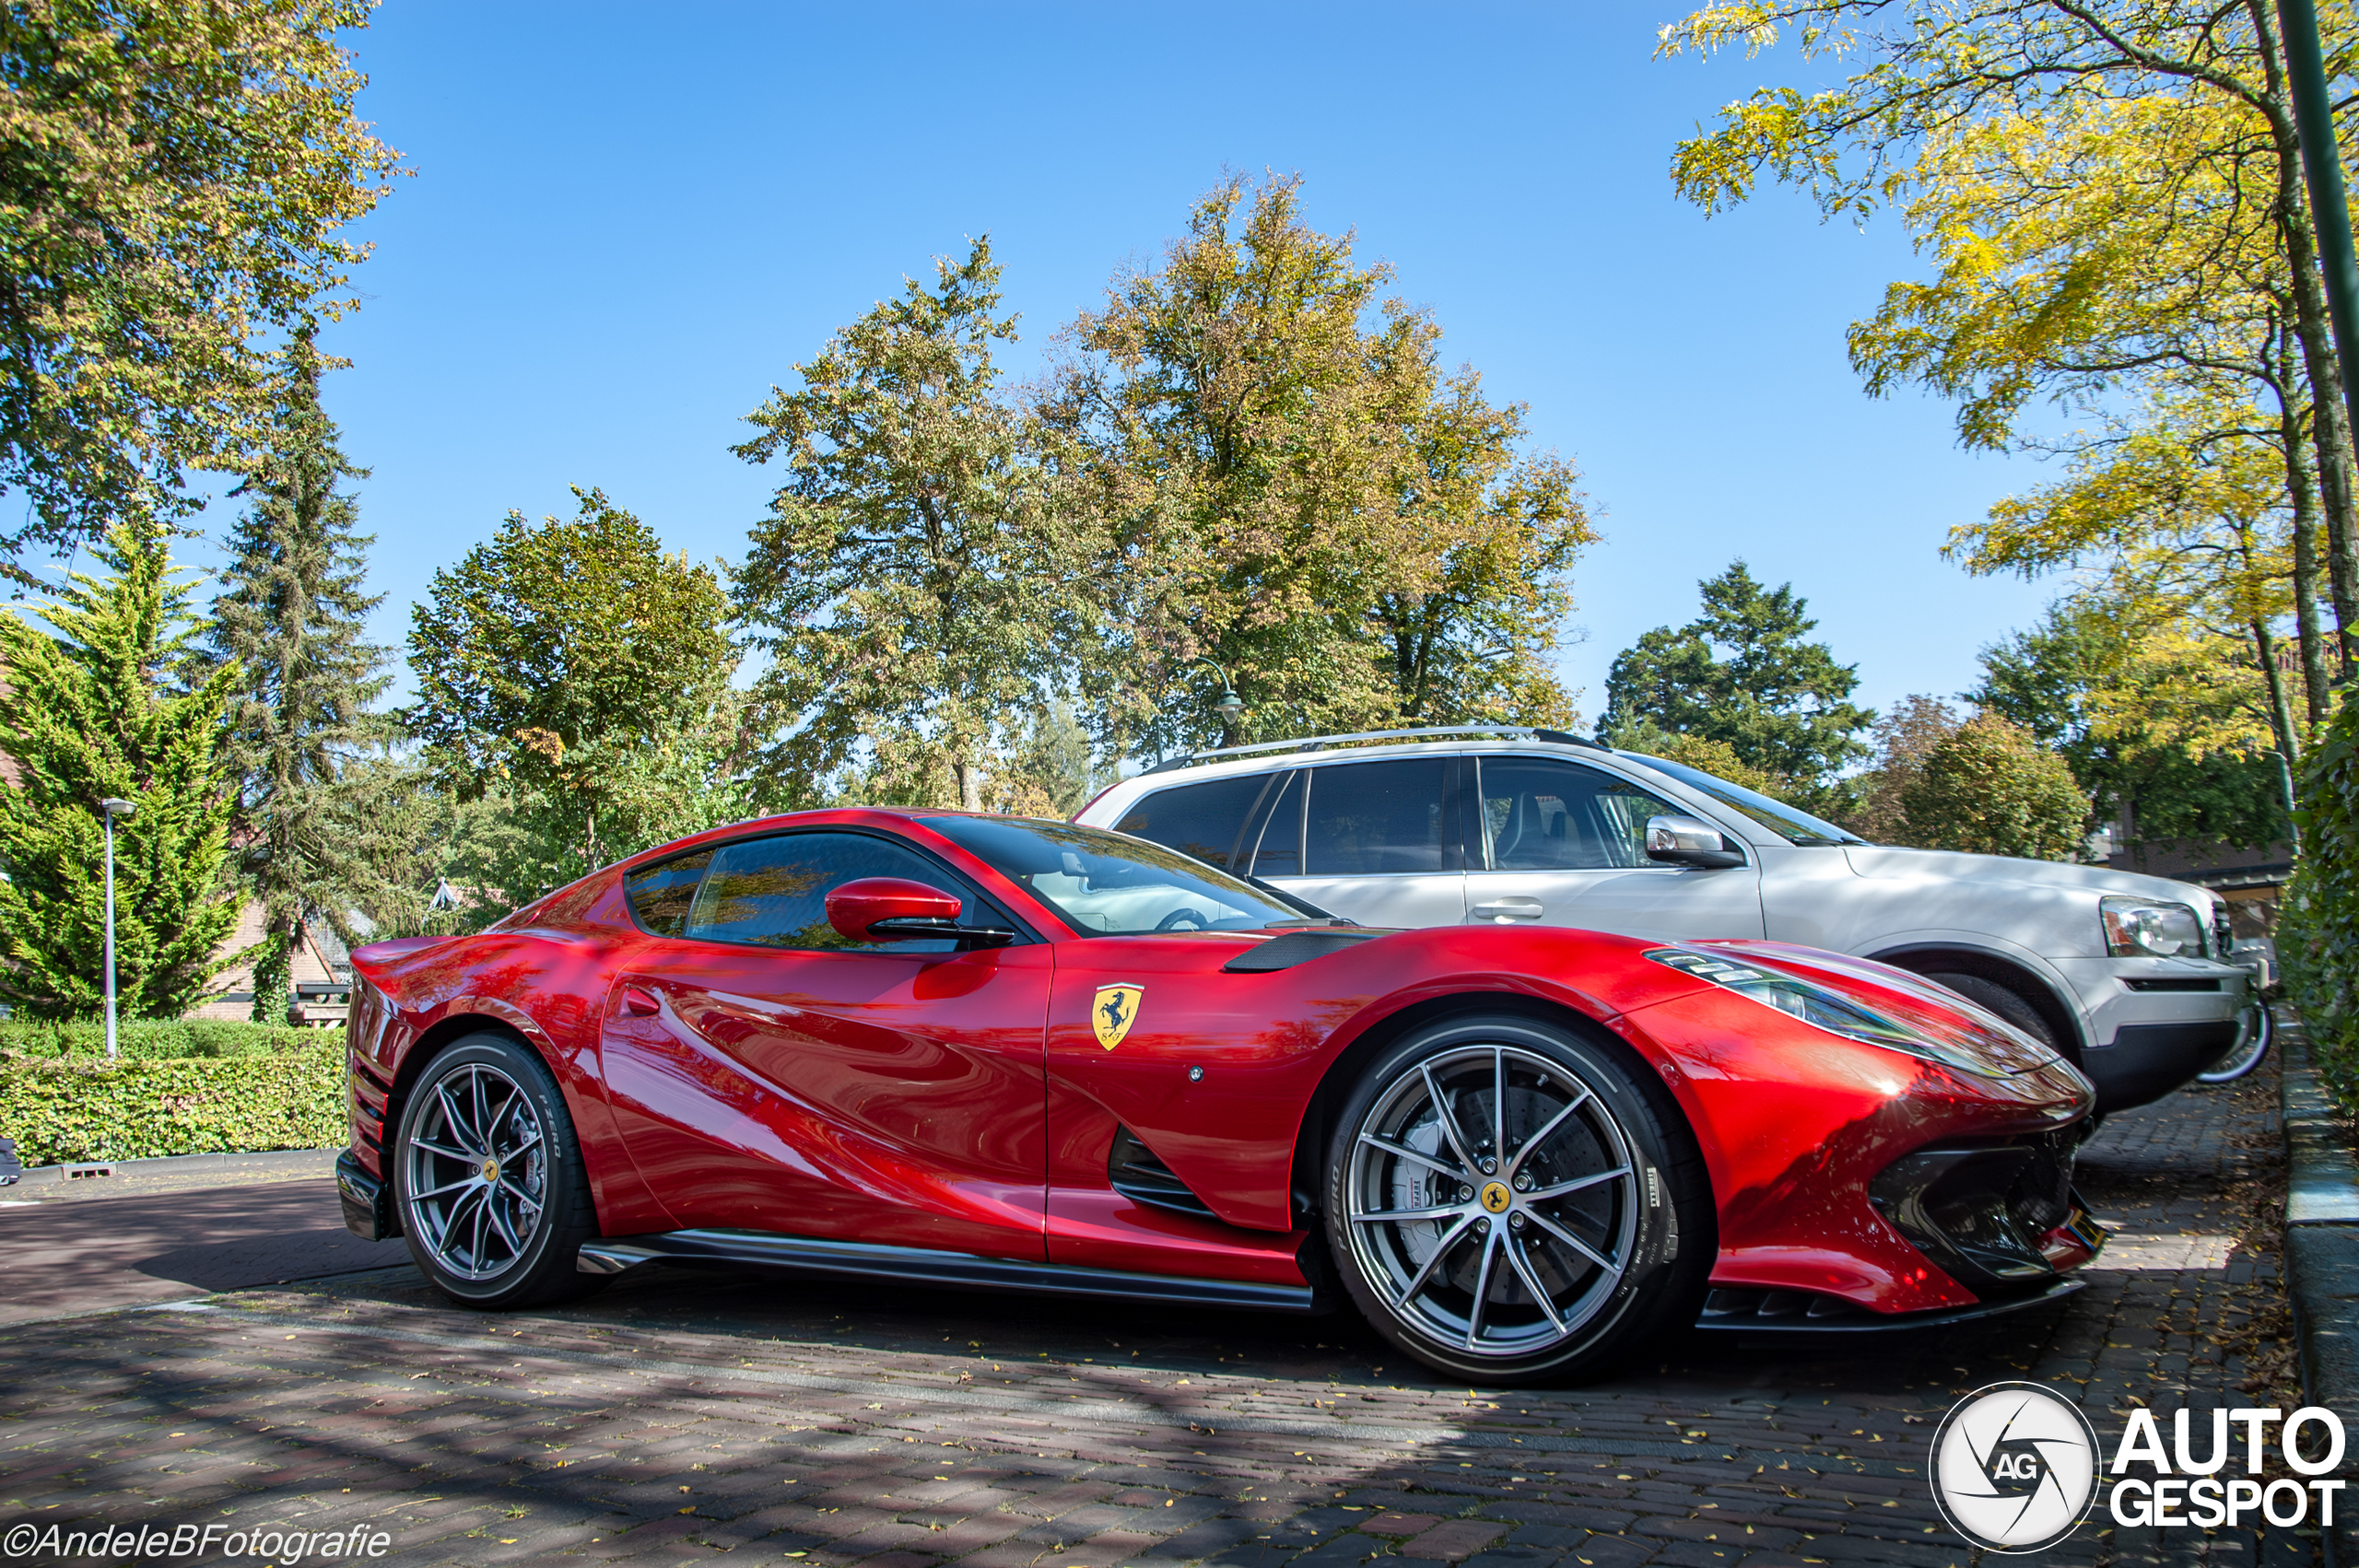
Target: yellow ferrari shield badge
[[1116, 1009]]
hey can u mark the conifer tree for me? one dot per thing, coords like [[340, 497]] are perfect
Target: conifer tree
[[98, 710], [291, 617]]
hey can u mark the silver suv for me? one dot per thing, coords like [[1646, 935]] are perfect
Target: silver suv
[[2124, 974]]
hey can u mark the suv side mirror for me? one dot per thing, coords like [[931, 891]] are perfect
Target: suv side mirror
[[1686, 841], [892, 908]]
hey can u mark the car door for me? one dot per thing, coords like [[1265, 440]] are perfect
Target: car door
[[1563, 844], [1375, 841], [771, 1074]]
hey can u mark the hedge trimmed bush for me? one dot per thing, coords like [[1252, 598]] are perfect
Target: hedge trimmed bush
[[155, 1038], [75, 1109], [2317, 935]]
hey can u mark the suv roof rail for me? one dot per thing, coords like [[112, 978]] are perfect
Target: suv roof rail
[[1319, 743]]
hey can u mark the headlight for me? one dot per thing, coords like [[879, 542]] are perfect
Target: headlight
[[1826, 1008], [2148, 928]]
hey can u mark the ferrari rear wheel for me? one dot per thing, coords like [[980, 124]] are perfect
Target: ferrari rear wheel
[[1507, 1202], [495, 1200]]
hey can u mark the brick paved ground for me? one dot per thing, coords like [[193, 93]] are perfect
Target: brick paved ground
[[678, 1418], [78, 1255]]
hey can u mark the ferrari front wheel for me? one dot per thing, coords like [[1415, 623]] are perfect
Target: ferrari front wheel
[[493, 1197], [1507, 1203]]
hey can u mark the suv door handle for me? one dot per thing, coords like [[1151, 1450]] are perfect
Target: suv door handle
[[640, 1003], [1509, 909]]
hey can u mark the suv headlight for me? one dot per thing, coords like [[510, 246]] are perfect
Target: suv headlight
[[2149, 928], [1828, 1009]]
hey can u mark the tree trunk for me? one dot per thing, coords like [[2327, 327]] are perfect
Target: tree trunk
[[2281, 706], [2309, 636], [970, 786], [2330, 420], [273, 970]]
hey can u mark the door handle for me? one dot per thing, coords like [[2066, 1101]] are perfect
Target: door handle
[[640, 1003], [1505, 909]]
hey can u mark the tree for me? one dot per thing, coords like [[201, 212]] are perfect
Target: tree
[[913, 584], [2078, 684], [2113, 187], [1742, 674], [1988, 789], [576, 667], [174, 177], [1290, 487], [96, 710], [1904, 737], [290, 619]]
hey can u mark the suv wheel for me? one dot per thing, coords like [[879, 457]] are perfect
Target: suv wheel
[[1507, 1202]]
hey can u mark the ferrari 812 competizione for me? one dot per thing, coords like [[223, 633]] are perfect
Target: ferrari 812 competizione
[[983, 1051]]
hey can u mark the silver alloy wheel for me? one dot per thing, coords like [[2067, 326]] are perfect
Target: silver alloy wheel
[[476, 1172], [1492, 1200]]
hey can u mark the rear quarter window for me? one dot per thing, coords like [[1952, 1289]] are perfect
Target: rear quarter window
[[1203, 821]]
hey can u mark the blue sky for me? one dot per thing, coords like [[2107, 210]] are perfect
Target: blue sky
[[626, 223]]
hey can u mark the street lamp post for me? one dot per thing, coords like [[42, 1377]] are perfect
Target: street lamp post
[[2322, 171], [112, 806], [1231, 708]]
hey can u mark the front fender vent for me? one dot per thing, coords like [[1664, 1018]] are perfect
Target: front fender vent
[[1135, 1172]]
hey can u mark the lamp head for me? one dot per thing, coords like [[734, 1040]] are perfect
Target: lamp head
[[1230, 708], [115, 805]]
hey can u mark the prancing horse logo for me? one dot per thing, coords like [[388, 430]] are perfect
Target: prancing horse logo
[[1116, 1009]]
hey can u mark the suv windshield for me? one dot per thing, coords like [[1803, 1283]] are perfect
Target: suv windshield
[[1102, 884], [1794, 826]]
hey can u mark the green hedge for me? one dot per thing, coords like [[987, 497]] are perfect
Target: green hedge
[[76, 1109], [2318, 936], [154, 1038]]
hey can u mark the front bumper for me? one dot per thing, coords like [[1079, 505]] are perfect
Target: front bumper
[[2154, 1023], [367, 1202]]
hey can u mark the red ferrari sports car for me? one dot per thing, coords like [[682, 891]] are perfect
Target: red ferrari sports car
[[973, 1050]]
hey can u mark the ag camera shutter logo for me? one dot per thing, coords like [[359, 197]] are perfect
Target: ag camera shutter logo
[[2014, 1468]]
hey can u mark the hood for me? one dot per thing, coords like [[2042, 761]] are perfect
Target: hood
[[1880, 860]]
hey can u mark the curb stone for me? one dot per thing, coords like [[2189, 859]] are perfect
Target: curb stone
[[178, 1164], [2321, 1256]]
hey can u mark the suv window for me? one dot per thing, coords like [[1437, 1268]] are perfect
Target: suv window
[[1199, 820], [1543, 815], [773, 892], [1371, 818]]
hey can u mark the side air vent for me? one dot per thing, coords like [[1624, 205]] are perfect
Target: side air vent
[[1138, 1175], [1299, 947]]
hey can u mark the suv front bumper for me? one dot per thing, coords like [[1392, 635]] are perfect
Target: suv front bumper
[[2154, 1023]]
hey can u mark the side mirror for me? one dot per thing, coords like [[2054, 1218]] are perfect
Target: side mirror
[[1686, 841], [892, 908]]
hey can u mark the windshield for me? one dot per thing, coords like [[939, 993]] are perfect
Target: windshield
[[1793, 826], [1103, 883]]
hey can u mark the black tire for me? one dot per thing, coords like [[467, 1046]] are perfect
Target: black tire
[[1601, 1202], [509, 1206], [1992, 996]]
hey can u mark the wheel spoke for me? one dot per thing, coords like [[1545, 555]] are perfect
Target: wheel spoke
[[532, 1140], [1406, 1214], [1447, 1116], [1402, 1151], [491, 1128], [1541, 1136], [454, 1123], [438, 1149], [1482, 1286], [517, 1192], [475, 1247], [1575, 1243], [460, 1211], [1531, 1277], [1443, 1249], [499, 1224], [1499, 1106], [1578, 1184], [462, 1181]]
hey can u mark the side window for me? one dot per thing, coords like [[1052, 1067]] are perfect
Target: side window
[[773, 892], [1371, 818], [1280, 851], [660, 894], [1543, 815], [1198, 820]]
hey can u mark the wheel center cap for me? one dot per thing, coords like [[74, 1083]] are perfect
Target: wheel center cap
[[1497, 1197], [491, 1170]]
